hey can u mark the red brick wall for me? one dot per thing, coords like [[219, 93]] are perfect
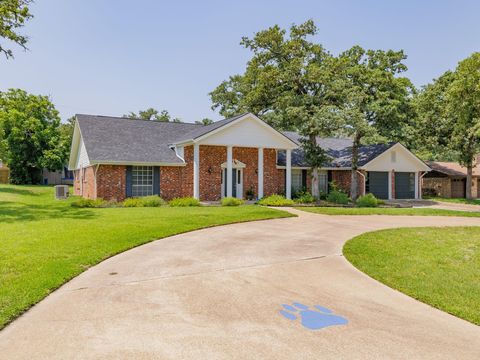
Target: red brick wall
[[111, 182], [84, 182], [343, 179], [273, 178], [177, 181], [211, 159]]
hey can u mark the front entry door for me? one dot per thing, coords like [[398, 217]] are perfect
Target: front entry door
[[236, 183]]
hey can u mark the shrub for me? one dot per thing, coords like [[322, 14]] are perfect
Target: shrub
[[368, 200], [153, 201], [145, 201], [337, 197], [185, 201], [133, 202], [275, 200], [304, 198], [89, 203], [231, 201]]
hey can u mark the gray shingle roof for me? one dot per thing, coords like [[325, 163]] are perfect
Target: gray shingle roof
[[339, 151], [114, 139]]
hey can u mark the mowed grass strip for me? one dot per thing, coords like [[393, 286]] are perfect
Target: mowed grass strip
[[438, 266], [46, 242], [388, 211]]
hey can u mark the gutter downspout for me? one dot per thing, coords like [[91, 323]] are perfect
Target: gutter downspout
[[364, 180], [95, 178], [420, 182]]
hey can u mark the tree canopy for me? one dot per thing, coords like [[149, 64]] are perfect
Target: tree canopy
[[154, 115], [204, 121], [13, 15], [295, 84], [30, 136]]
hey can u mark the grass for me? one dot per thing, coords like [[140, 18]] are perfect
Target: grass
[[45, 242], [455, 200], [438, 266], [388, 211]]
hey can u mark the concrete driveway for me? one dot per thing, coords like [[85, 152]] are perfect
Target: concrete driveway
[[216, 294]]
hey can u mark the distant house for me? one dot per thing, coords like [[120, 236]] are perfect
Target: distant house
[[57, 177], [4, 173], [449, 180], [115, 158]]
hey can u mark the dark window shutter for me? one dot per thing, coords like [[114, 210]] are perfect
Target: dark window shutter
[[329, 179], [129, 182], [304, 180], [156, 180]]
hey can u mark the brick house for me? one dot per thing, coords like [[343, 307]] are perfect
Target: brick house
[[114, 158], [449, 180]]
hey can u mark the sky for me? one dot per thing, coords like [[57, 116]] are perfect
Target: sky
[[110, 57]]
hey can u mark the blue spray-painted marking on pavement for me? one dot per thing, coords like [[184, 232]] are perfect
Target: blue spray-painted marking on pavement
[[315, 319]]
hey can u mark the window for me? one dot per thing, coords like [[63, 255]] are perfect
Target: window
[[323, 182], [142, 180], [296, 180], [393, 155]]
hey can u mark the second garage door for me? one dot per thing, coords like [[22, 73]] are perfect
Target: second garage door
[[404, 185]]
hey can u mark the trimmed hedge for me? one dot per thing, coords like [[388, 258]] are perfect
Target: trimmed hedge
[[275, 200], [185, 201], [231, 201], [368, 200]]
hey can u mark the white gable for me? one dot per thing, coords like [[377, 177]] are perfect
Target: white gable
[[78, 152], [396, 158], [248, 131]]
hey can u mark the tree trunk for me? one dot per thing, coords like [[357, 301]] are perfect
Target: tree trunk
[[354, 190], [468, 190], [315, 190]]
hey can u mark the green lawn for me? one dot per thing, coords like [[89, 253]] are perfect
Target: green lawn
[[45, 242], [455, 200], [388, 211], [439, 266]]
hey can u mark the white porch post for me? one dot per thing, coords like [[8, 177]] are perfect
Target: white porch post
[[288, 182], [229, 170], [389, 185], [196, 171], [416, 186], [260, 173]]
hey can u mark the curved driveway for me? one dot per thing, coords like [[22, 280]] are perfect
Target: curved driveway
[[216, 294]]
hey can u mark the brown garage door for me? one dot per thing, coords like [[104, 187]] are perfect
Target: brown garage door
[[458, 188]]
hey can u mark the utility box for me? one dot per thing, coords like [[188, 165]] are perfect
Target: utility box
[[61, 192]]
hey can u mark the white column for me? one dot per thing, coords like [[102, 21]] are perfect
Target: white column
[[229, 170], [389, 185], [288, 182], [260, 173], [416, 186], [196, 171]]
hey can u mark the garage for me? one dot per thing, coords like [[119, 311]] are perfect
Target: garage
[[405, 185], [458, 188], [377, 184]]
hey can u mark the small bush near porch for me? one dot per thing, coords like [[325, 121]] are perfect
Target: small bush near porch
[[46, 242]]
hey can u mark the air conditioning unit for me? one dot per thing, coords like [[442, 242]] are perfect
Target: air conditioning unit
[[61, 192]]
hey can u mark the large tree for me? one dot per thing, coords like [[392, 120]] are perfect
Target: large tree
[[435, 126], [463, 107], [291, 82], [30, 137], [376, 100], [154, 115], [13, 15]]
